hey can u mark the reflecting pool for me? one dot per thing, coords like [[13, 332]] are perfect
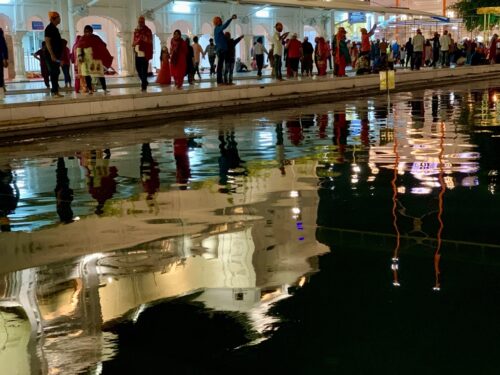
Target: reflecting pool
[[356, 237]]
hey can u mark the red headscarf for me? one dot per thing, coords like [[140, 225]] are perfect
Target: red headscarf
[[99, 50]]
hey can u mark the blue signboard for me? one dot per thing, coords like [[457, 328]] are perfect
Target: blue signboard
[[96, 26], [357, 17], [37, 25]]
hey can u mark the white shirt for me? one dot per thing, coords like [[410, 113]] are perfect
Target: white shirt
[[418, 43], [259, 49], [278, 46], [445, 41]]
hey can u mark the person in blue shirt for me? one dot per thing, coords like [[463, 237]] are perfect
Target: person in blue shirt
[[4, 62], [221, 44]]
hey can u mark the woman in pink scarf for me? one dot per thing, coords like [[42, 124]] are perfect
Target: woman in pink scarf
[[178, 58]]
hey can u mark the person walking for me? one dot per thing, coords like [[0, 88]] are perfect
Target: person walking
[[221, 44], [189, 62], [198, 55], [418, 49], [143, 47], [259, 50], [178, 60], [4, 62], [278, 49], [53, 41], [210, 52], [93, 57]]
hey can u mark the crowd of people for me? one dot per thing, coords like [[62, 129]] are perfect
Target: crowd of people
[[92, 60]]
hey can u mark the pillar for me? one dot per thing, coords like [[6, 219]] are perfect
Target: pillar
[[245, 50], [126, 53], [71, 23], [18, 53]]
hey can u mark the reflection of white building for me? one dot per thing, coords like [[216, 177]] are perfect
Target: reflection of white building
[[236, 255], [447, 153]]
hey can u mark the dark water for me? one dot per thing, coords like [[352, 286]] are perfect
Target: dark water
[[353, 238]]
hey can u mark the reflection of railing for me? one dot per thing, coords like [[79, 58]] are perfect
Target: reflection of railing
[[31, 64]]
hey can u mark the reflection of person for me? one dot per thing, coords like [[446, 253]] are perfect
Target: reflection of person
[[93, 57], [100, 178], [41, 56], [181, 155], [280, 148], [54, 45], [143, 47], [64, 194], [150, 174], [229, 160], [9, 198]]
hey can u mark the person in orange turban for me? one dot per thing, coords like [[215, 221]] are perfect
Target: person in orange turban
[[53, 15]]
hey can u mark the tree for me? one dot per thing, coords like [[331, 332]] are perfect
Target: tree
[[467, 10]]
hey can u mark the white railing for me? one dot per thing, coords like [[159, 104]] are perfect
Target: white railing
[[31, 64]]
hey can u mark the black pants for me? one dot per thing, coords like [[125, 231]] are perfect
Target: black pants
[[211, 60], [88, 82], [67, 76], [221, 58], [141, 65], [259, 59], [54, 71], [417, 57]]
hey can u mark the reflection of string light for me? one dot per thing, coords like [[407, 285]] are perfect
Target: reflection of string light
[[437, 254], [294, 194], [296, 210], [421, 191]]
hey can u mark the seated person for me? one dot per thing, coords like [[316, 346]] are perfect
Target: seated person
[[241, 66]]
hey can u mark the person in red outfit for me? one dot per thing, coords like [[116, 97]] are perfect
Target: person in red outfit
[[178, 58], [164, 77]]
